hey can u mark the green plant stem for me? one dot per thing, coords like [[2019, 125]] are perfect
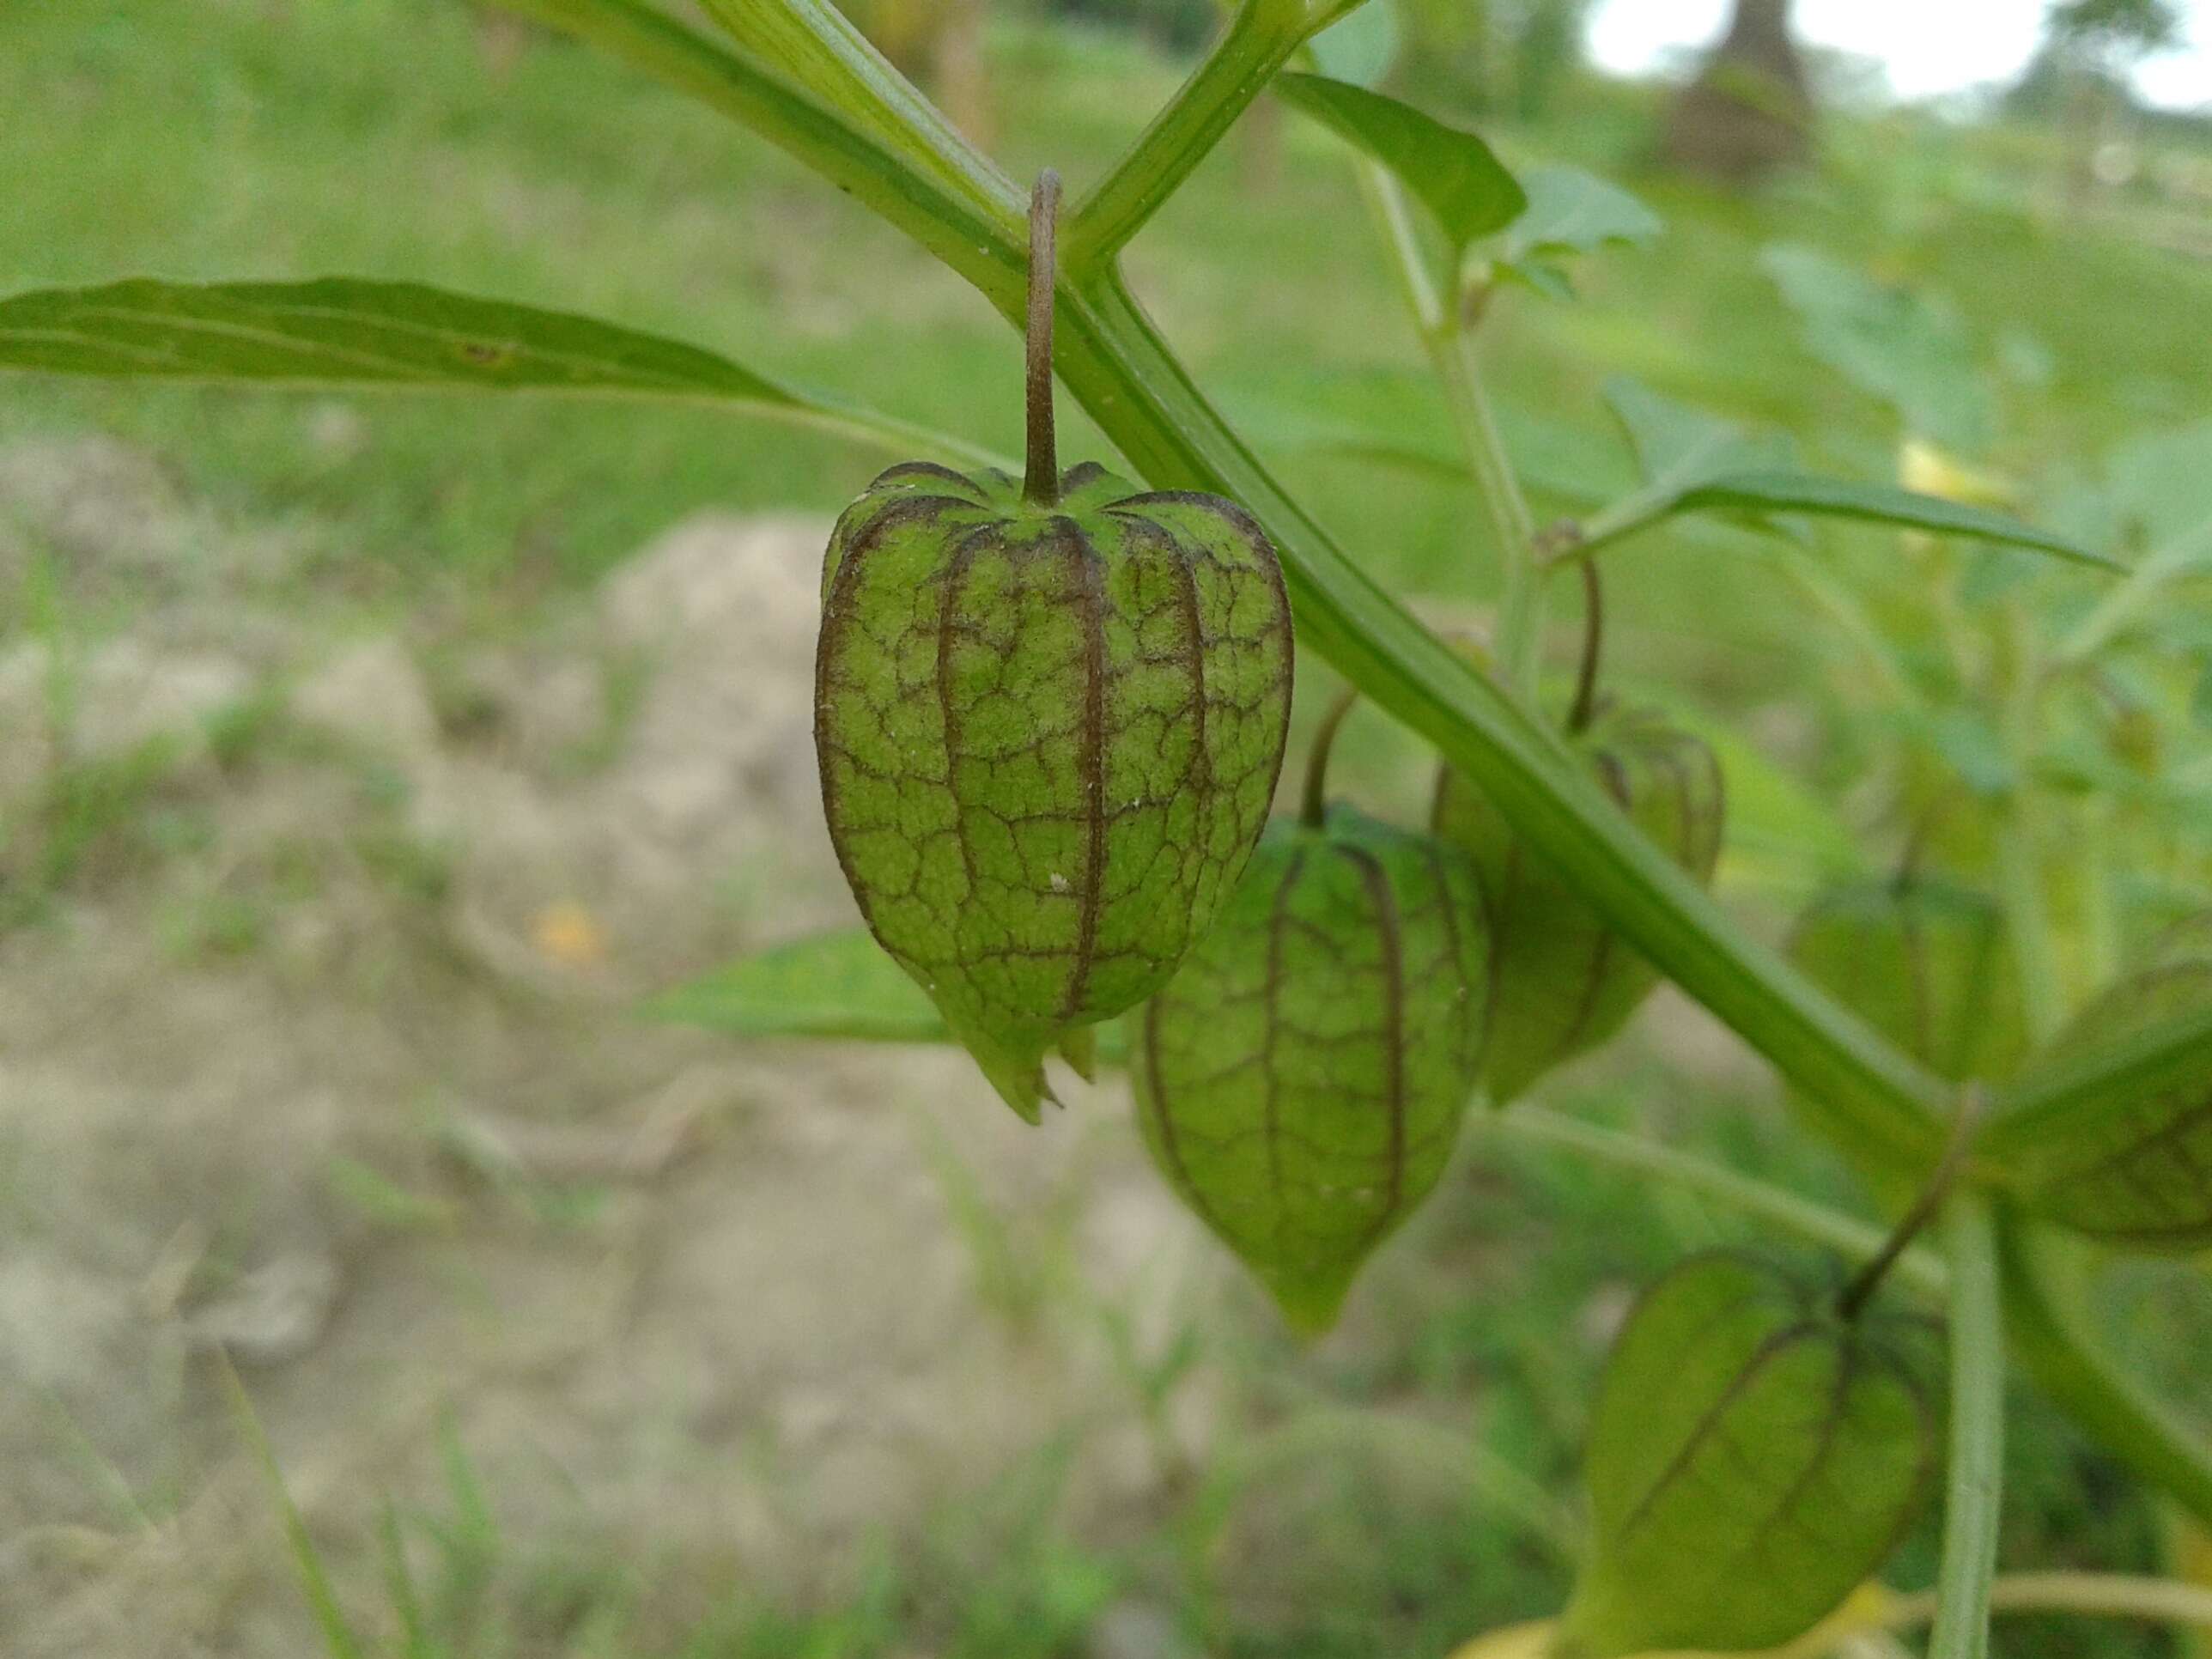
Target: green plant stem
[[1858, 1240], [2070, 1363], [1977, 1474], [1259, 38], [1112, 360], [1451, 350]]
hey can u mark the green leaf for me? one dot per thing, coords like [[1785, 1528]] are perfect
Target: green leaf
[[1752, 1458], [343, 331], [833, 985], [349, 333], [1302, 1079], [2113, 1136], [1571, 211], [1912, 351], [1694, 462], [1453, 172], [1875, 503]]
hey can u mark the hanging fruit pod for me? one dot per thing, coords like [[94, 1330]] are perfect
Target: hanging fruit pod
[[1753, 1456], [1302, 1079]]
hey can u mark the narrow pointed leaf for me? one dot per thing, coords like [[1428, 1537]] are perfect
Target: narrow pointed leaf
[[1876, 503], [1752, 1458], [1453, 172], [832, 985], [346, 331]]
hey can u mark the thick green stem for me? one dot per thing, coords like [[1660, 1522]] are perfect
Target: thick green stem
[[829, 58], [1259, 37], [1977, 1477]]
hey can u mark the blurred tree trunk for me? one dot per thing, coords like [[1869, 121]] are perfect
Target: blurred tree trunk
[[1749, 112]]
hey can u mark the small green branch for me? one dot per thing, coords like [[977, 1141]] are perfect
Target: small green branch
[[2119, 609], [1451, 345], [1977, 1474], [1922, 1270], [2095, 1594], [1259, 38]]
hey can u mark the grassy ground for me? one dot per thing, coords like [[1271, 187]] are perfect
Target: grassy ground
[[250, 138]]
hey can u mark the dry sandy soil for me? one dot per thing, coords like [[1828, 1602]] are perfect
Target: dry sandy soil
[[334, 1069]]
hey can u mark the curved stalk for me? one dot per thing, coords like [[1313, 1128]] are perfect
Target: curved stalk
[[1916, 1267], [1041, 481], [1314, 802]]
